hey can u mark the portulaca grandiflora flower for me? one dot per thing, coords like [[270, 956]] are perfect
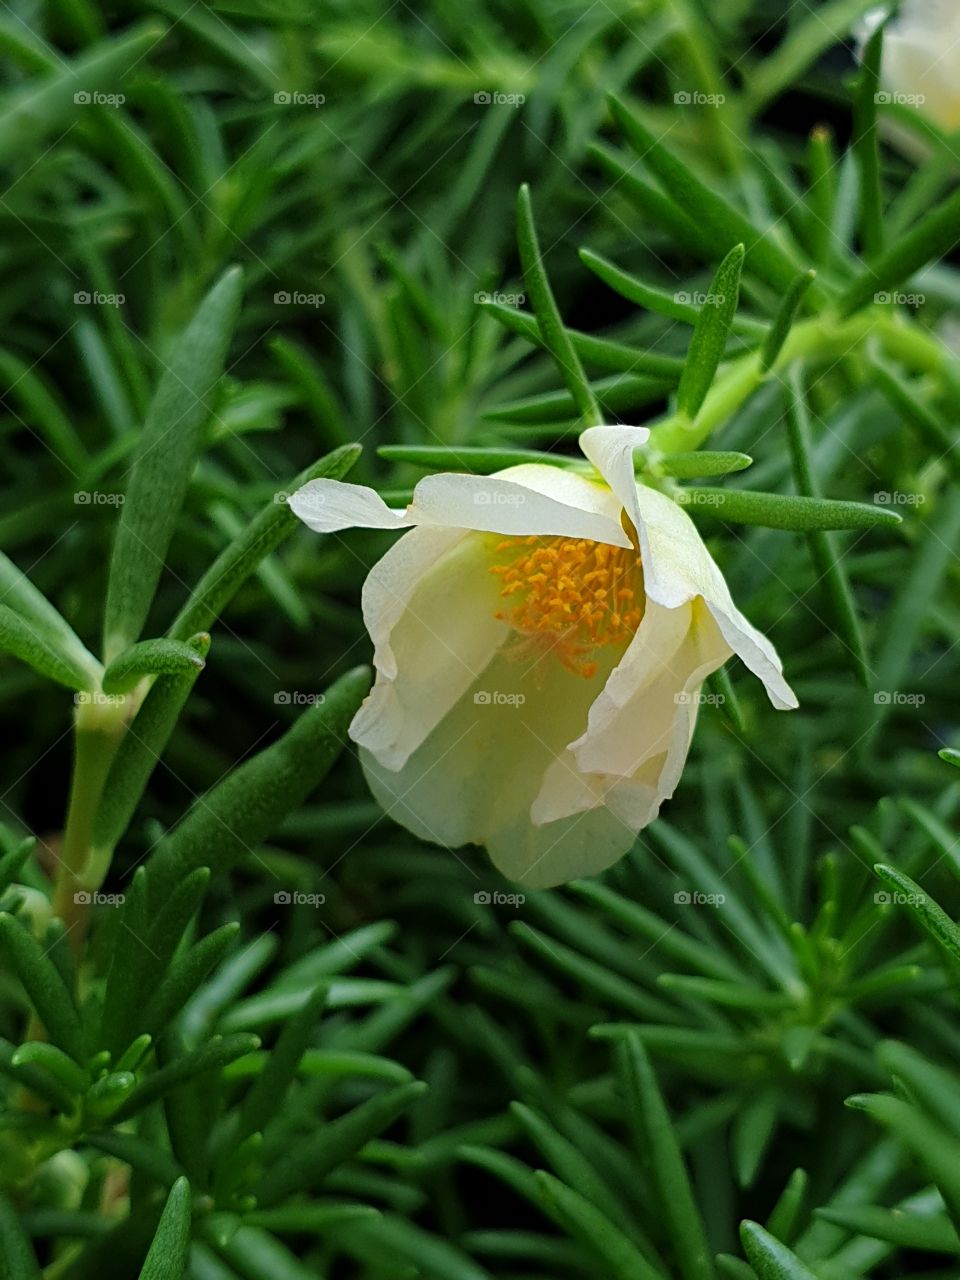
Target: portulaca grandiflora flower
[[541, 638]]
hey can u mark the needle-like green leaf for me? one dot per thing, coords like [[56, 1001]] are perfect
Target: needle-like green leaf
[[620, 1258], [553, 333], [823, 552], [785, 511], [722, 225], [710, 334], [166, 454], [635, 290], [925, 1138], [784, 318], [151, 657], [703, 462], [38, 649], [211, 1057], [656, 1141], [771, 1259], [17, 1258], [865, 143], [930, 916], [930, 239], [317, 1154], [603, 353], [43, 984], [29, 114], [923, 1231], [168, 1256], [141, 748]]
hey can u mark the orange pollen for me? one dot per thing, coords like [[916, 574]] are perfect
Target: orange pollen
[[569, 597]]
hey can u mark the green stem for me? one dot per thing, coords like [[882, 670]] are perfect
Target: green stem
[[818, 338], [100, 724]]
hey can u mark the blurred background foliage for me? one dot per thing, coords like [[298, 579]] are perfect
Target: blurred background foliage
[[670, 1048]]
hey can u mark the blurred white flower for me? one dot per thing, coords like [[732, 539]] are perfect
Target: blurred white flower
[[921, 57], [541, 639]]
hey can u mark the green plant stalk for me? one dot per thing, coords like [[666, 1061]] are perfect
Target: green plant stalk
[[815, 338], [99, 728]]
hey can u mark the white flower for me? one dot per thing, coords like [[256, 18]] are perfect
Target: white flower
[[921, 57], [541, 639]]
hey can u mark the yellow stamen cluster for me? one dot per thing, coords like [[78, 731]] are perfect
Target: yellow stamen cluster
[[569, 596]]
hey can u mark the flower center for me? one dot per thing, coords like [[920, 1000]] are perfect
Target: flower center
[[569, 597]]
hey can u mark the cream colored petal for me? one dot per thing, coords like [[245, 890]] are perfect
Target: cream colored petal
[[570, 488], [924, 76], [327, 506], [429, 605], [509, 503], [532, 857], [919, 63], [611, 451], [639, 728], [920, 58], [670, 704], [634, 718], [677, 566], [668, 659], [475, 777], [634, 802], [521, 500], [558, 852]]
